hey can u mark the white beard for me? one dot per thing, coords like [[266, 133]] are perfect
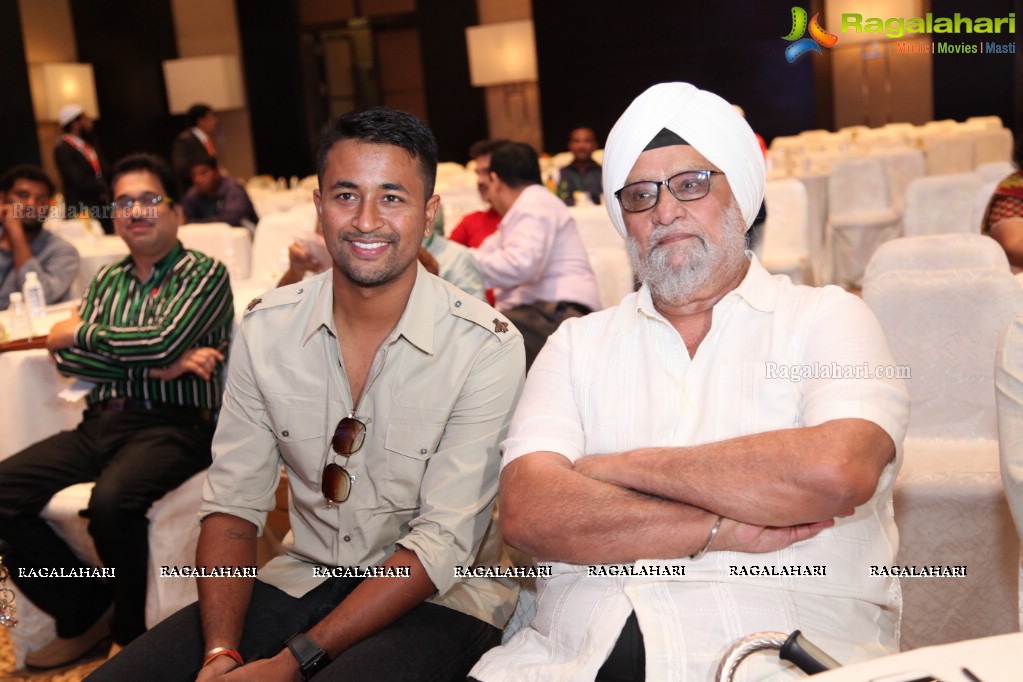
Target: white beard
[[676, 284]]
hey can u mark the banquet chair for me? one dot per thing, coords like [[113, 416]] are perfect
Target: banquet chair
[[231, 245], [173, 535], [902, 165], [995, 170], [989, 122], [991, 145], [274, 233], [786, 243], [938, 204], [860, 216], [1009, 399], [948, 151], [981, 198], [944, 303]]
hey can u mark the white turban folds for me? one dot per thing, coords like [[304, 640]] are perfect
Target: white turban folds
[[702, 119]]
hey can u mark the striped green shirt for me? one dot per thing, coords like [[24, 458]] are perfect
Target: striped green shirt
[[130, 327]]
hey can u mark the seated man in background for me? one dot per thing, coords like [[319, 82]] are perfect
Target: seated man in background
[[583, 174], [384, 392], [664, 461], [151, 334], [1003, 219], [195, 142], [25, 246], [536, 261], [216, 198], [475, 227]]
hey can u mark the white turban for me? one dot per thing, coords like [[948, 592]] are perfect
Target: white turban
[[702, 119]]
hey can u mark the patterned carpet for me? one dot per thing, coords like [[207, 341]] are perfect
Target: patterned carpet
[[74, 673]]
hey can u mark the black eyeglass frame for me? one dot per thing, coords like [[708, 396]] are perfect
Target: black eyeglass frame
[[703, 175], [125, 205]]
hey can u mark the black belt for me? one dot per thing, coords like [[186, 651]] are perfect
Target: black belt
[[135, 405]]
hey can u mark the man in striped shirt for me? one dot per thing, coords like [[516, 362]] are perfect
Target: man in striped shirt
[[151, 334]]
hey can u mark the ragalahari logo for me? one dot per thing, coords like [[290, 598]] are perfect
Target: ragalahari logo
[[818, 36]]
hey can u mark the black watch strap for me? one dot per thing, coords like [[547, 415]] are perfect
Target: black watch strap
[[310, 656]]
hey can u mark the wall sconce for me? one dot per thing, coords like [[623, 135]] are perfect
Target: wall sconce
[[55, 85], [501, 53], [216, 81]]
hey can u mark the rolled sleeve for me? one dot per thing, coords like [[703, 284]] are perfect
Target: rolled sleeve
[[459, 488], [246, 469]]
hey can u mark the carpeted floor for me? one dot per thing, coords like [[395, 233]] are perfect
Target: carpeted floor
[[74, 673]]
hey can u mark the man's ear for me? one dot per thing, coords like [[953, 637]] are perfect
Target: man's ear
[[432, 206]]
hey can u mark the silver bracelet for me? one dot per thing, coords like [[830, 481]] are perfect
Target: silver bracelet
[[710, 539]]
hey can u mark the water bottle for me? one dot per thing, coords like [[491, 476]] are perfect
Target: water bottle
[[35, 297], [21, 324]]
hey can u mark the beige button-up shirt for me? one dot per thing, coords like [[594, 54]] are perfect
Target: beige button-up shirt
[[437, 403]]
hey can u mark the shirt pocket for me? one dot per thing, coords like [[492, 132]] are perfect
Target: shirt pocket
[[410, 447], [299, 431]]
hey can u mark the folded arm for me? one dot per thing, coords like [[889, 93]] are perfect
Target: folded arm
[[778, 478]]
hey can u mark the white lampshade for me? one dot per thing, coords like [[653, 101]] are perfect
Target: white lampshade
[[56, 85], [216, 81], [501, 53]]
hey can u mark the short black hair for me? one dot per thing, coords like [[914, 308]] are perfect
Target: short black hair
[[204, 160], [483, 147], [384, 125], [516, 164], [26, 172], [151, 163], [197, 111]]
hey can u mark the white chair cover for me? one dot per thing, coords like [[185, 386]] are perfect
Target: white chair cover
[[990, 122], [948, 152], [173, 535], [944, 302], [902, 164], [1009, 398], [786, 242], [232, 246], [938, 204], [992, 145], [981, 198], [860, 216], [995, 170]]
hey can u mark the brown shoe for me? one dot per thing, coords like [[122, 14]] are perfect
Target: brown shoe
[[62, 651]]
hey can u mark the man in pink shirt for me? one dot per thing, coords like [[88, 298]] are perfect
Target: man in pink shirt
[[535, 262]]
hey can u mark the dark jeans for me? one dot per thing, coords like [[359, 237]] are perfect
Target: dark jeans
[[539, 320], [627, 660], [134, 458], [430, 643]]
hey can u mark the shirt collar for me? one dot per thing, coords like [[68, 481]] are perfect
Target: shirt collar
[[200, 134], [758, 289], [160, 267], [416, 324]]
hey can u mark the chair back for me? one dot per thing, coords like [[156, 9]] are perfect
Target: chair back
[[992, 145], [944, 302], [857, 185], [938, 204], [274, 234], [948, 151], [232, 246]]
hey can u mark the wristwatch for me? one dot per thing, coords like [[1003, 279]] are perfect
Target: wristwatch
[[311, 658]]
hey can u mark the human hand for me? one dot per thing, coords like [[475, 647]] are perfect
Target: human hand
[[428, 261], [743, 537], [302, 260], [200, 361], [281, 668], [218, 667], [63, 334]]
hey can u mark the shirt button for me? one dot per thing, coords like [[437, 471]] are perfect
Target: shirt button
[[300, 291], [423, 451], [458, 304], [348, 538], [285, 434]]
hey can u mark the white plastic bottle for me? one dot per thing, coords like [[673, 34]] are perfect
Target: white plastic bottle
[[21, 324], [35, 297]]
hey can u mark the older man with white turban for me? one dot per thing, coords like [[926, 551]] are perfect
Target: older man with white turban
[[714, 456]]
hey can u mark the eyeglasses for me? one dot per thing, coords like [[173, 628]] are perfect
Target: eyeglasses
[[148, 200], [687, 186], [337, 482]]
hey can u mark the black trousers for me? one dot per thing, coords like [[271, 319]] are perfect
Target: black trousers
[[627, 660], [536, 321], [134, 458], [430, 643]]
